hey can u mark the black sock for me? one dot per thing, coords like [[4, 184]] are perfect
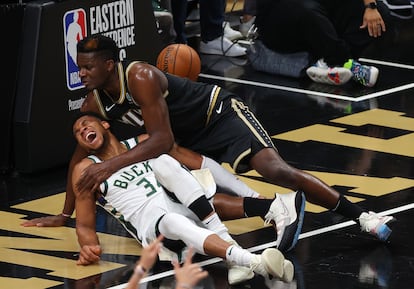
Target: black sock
[[347, 208], [256, 207]]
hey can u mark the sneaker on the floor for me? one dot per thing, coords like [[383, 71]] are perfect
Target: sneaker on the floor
[[320, 72], [286, 214], [230, 33], [222, 46], [238, 274], [278, 284], [364, 74], [272, 263], [376, 225], [247, 27]]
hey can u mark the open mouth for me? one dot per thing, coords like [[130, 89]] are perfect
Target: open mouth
[[90, 136]]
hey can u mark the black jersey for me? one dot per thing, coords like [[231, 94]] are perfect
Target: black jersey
[[190, 104], [203, 117]]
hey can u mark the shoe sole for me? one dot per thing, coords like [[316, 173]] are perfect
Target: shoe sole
[[206, 50], [288, 271], [384, 231], [373, 77], [249, 274], [292, 231], [334, 76], [273, 261]]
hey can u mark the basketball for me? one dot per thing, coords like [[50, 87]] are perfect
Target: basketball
[[181, 60]]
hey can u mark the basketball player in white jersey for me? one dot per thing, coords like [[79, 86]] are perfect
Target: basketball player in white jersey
[[137, 192]]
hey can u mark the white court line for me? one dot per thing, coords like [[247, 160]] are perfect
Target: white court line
[[272, 244], [312, 92], [386, 63]]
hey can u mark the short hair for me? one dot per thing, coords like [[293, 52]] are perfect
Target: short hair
[[99, 43], [79, 114]]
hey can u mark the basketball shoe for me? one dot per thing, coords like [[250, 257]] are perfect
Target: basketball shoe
[[230, 33], [247, 27], [364, 74], [320, 72], [222, 46], [237, 274], [272, 263], [286, 214], [376, 225]]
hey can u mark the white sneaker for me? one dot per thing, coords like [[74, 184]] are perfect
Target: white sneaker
[[376, 225], [238, 274], [271, 263], [320, 72], [230, 33], [247, 27], [278, 284], [222, 46], [286, 214]]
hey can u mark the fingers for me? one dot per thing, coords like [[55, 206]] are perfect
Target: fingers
[[375, 29], [91, 178], [89, 255], [374, 23], [31, 223], [189, 256], [189, 274], [50, 221]]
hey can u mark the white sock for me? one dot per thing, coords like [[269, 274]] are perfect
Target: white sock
[[213, 223], [227, 180], [238, 256]]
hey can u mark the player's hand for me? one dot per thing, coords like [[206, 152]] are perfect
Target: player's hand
[[50, 221], [189, 274], [373, 21], [89, 254], [93, 176]]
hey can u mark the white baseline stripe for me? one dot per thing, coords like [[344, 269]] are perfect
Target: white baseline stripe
[[312, 92], [386, 63], [272, 244]]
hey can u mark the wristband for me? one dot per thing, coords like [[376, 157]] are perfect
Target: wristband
[[184, 285], [65, 215], [140, 271]]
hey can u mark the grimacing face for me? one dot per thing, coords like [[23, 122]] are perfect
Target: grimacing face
[[89, 132]]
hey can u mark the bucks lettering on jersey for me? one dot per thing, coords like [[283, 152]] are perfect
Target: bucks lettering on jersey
[[129, 189]]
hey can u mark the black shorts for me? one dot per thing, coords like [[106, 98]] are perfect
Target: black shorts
[[233, 134]]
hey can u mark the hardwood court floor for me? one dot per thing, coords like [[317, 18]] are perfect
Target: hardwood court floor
[[360, 141]]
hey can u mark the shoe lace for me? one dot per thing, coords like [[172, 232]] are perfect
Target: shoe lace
[[369, 221], [277, 217]]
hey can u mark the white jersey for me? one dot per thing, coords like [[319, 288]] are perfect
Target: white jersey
[[135, 193]]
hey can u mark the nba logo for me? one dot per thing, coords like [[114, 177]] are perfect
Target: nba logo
[[74, 27]]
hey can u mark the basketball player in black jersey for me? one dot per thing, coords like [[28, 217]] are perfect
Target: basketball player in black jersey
[[202, 117]]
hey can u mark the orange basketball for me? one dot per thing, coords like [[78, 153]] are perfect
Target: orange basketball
[[181, 60]]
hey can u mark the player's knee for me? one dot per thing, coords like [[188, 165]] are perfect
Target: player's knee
[[165, 166]]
